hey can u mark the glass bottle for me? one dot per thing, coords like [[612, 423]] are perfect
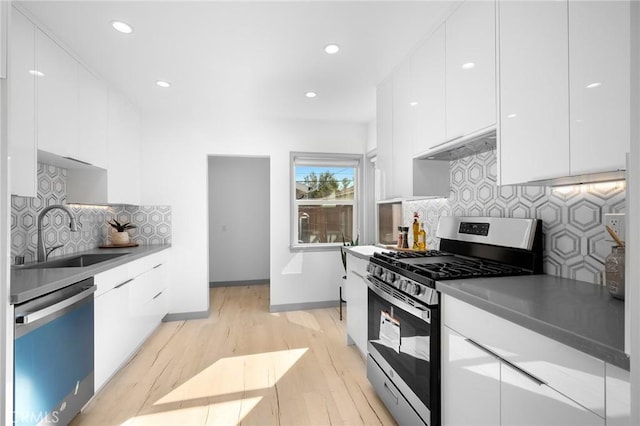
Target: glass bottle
[[422, 238], [614, 272], [399, 236], [416, 232]]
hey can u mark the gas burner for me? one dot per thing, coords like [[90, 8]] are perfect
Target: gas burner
[[465, 269], [411, 254]]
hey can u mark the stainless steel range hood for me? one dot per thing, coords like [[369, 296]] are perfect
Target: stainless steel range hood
[[474, 143]]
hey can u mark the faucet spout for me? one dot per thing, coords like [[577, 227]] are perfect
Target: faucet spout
[[73, 226]]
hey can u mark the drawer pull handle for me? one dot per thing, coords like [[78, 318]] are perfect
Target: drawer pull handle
[[393, 395], [157, 266], [124, 283], [157, 295], [509, 363], [528, 375]]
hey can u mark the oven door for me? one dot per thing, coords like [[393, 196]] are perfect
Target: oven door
[[404, 341]]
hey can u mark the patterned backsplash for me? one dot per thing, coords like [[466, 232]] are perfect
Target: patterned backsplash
[[153, 222], [572, 216]]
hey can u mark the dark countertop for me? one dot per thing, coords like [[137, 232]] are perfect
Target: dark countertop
[[27, 284], [577, 313]]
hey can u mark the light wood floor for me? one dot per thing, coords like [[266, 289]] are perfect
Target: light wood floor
[[242, 365]]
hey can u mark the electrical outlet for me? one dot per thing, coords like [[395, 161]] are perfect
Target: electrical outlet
[[615, 221]]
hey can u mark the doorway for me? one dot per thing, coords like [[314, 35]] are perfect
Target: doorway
[[239, 204]]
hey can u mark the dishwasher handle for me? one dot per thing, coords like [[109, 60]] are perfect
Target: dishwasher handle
[[56, 307]]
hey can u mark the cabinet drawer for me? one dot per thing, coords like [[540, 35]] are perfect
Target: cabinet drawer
[[107, 280], [575, 374], [391, 396], [357, 265]]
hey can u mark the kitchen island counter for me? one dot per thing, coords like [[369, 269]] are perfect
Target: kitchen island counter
[[576, 313], [27, 284]]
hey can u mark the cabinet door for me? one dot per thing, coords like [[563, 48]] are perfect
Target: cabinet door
[[428, 119], [92, 111], [57, 100], [123, 151], [112, 341], [471, 69], [384, 130], [599, 55], [534, 91], [470, 383], [402, 178], [23, 148], [356, 293], [525, 401]]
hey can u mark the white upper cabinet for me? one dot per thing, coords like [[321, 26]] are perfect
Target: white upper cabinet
[[534, 125], [401, 179], [124, 135], [428, 96], [92, 111], [57, 98], [599, 63], [470, 69], [23, 148], [564, 84], [384, 137]]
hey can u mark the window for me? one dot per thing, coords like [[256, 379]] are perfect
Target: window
[[325, 199]]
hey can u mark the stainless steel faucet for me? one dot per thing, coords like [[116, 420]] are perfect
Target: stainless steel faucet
[[42, 255]]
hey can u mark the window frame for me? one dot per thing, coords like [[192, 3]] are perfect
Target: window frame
[[329, 160]]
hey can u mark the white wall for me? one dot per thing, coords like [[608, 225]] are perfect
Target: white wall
[[633, 189], [238, 218], [176, 174]]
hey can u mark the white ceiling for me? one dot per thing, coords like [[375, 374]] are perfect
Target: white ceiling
[[246, 58]]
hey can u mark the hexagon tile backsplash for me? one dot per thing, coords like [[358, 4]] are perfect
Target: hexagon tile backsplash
[[154, 222], [574, 245]]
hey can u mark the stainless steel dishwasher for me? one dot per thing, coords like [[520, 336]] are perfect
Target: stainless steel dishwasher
[[53, 372]]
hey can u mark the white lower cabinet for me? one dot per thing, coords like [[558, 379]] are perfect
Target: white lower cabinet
[[470, 383], [130, 302], [355, 293], [525, 401], [495, 372]]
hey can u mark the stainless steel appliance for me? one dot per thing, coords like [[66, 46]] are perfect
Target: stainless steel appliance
[[53, 353], [403, 363]]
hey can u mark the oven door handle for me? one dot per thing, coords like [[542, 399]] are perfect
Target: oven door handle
[[419, 311], [391, 392], [56, 307]]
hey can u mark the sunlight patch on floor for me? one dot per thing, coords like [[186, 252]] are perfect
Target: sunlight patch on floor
[[305, 319], [223, 413], [236, 374]]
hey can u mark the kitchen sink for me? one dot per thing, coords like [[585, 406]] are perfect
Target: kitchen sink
[[75, 261]]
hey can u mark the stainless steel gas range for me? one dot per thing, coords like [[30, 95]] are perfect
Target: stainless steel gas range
[[403, 328]]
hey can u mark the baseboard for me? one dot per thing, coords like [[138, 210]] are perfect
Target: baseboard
[[214, 284], [185, 316], [304, 306]]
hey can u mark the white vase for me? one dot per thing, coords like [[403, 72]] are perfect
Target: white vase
[[120, 238]]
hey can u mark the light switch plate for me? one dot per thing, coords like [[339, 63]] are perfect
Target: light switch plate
[[615, 221]]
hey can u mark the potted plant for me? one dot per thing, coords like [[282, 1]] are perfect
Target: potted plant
[[121, 236]]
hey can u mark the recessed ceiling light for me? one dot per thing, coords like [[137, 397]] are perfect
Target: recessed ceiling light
[[36, 73], [164, 84], [468, 66], [592, 85], [122, 27], [331, 48], [414, 103], [311, 94], [512, 115]]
